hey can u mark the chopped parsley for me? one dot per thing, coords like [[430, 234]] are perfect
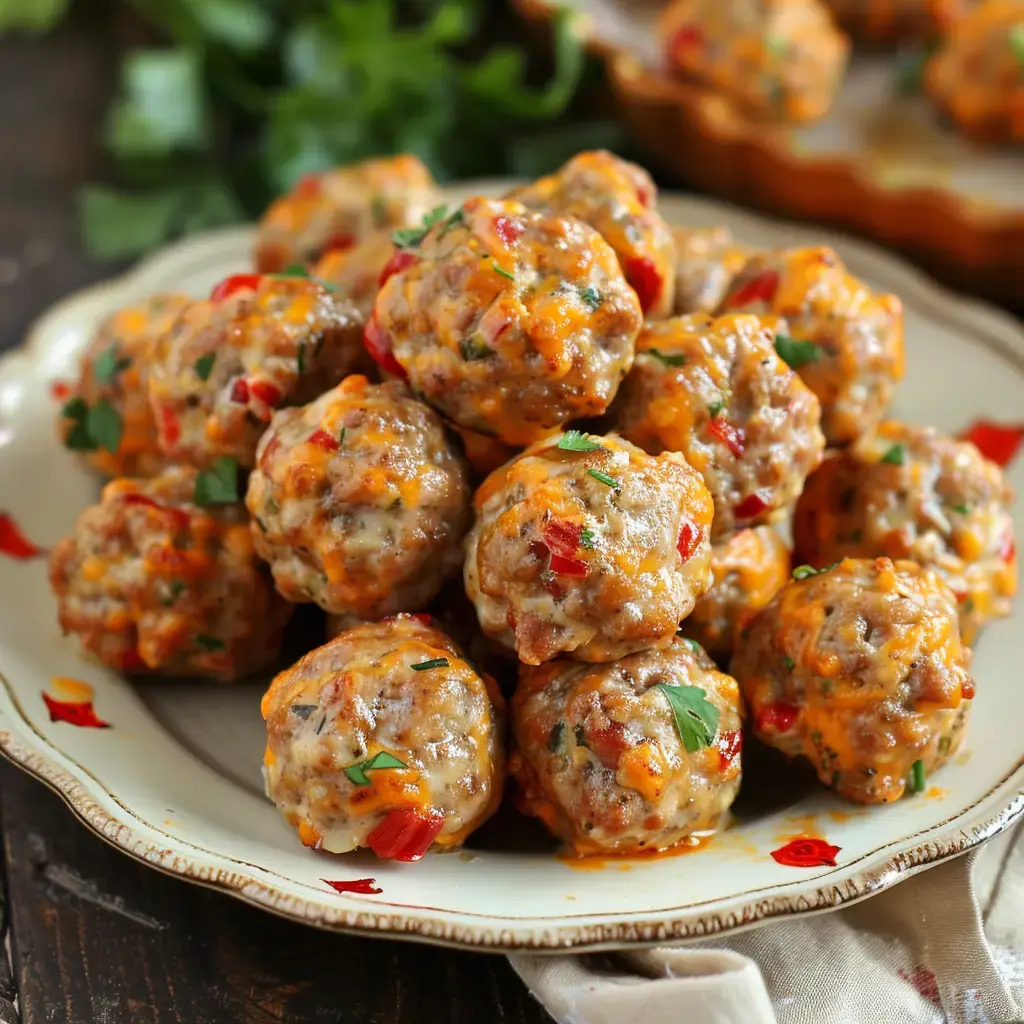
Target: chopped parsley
[[694, 646], [696, 717], [917, 777], [204, 365], [895, 456], [432, 663], [474, 348], [590, 296], [499, 269], [92, 428], [298, 270], [803, 572], [668, 358], [218, 485], [963, 509], [108, 365], [341, 437], [788, 663], [303, 710], [796, 353], [716, 408], [608, 481], [174, 588], [382, 759], [410, 238], [587, 539], [577, 441], [209, 643]]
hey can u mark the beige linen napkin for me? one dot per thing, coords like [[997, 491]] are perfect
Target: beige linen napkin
[[943, 947]]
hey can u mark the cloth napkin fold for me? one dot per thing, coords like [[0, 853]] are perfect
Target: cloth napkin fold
[[944, 947]]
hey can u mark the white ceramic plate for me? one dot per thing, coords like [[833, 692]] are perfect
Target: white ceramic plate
[[176, 780]]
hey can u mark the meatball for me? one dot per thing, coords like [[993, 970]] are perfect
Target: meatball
[[356, 273], [509, 322], [359, 501], [707, 261], [778, 60], [484, 453], [715, 390], [586, 545], [228, 362], [617, 199], [340, 207], [161, 576], [386, 737], [106, 416], [977, 76], [635, 755], [845, 341], [860, 669], [884, 22], [911, 492], [749, 567]]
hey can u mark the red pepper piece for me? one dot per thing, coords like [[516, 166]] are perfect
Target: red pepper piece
[[170, 425], [78, 713], [689, 538], [59, 390], [562, 566], [180, 516], [686, 37], [132, 661], [405, 834], [563, 540], [777, 716], [806, 852], [234, 283], [645, 280], [378, 344], [1008, 549], [267, 393], [400, 259], [729, 746], [14, 543], [643, 196], [240, 391], [308, 185], [360, 885], [761, 288], [994, 440], [323, 440], [509, 231], [339, 241], [732, 437], [967, 690], [752, 505], [608, 743]]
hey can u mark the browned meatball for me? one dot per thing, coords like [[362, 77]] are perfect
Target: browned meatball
[[585, 545], [619, 200], [387, 738], [707, 261], [359, 501], [911, 492], [859, 668], [509, 322], [107, 416], [161, 576], [884, 22], [714, 390], [749, 569], [357, 272], [630, 756], [260, 342]]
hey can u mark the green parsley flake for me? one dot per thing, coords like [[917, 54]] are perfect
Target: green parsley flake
[[108, 365], [474, 348], [587, 540], [218, 485], [696, 717], [204, 365], [409, 238], [608, 481], [382, 759], [1016, 40], [962, 509], [803, 572], [341, 437], [577, 441], [209, 643], [77, 438], [173, 590], [788, 663], [499, 269], [694, 646], [895, 456], [104, 426], [917, 777], [590, 296], [432, 663], [716, 408], [796, 353], [668, 358]]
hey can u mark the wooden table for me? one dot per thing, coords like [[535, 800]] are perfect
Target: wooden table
[[95, 937]]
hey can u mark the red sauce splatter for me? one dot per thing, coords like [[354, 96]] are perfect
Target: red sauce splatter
[[732, 437], [689, 538], [234, 283], [360, 885], [77, 713], [752, 505], [59, 390], [729, 746], [378, 344], [339, 241], [405, 834], [996, 441], [14, 543], [400, 259], [323, 440], [267, 393], [509, 231], [644, 279], [806, 852], [777, 716], [240, 391], [761, 288], [924, 982]]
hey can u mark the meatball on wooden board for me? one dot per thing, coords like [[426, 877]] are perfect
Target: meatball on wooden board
[[389, 738]]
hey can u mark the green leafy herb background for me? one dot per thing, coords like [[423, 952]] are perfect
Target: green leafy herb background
[[235, 99]]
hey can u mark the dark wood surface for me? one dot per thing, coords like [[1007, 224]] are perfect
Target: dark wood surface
[[96, 938]]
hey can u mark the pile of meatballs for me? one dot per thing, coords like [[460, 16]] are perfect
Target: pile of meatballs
[[598, 422]]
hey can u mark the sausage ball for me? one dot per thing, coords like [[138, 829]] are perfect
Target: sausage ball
[[509, 322], [707, 261], [340, 207], [161, 576], [359, 501], [387, 738], [778, 60], [227, 363], [749, 567], [106, 416], [977, 76], [715, 390], [628, 757], [587, 546], [618, 199], [356, 272], [860, 669], [885, 22], [911, 492], [845, 341]]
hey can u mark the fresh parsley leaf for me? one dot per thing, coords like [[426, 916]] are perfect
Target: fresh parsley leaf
[[590, 296], [895, 456], [104, 426], [964, 509], [693, 645], [803, 572], [715, 409], [219, 484], [668, 358], [474, 348], [295, 270], [608, 481], [577, 441], [75, 409], [209, 643], [587, 540], [796, 353], [788, 663], [382, 759], [432, 663], [499, 269], [696, 717], [410, 238], [204, 365], [108, 365]]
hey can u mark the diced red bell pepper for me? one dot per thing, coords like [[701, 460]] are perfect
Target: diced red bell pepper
[[405, 834], [13, 542], [608, 743], [777, 716], [132, 661], [689, 538], [562, 566], [732, 437], [361, 885], [509, 231], [729, 746], [170, 425], [267, 393], [80, 713], [59, 390], [179, 515], [339, 242], [240, 391], [308, 185], [761, 288], [234, 283], [378, 344], [563, 540], [400, 259], [967, 689], [685, 38], [752, 505], [323, 440], [994, 440], [644, 279]]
